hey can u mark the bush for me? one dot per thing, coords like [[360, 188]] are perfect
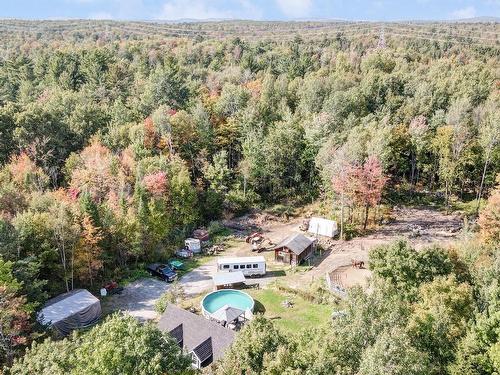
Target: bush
[[406, 269], [281, 210], [131, 275], [212, 203], [239, 203], [174, 295], [119, 345], [215, 228]]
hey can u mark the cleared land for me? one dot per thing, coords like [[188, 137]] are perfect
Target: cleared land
[[420, 226]]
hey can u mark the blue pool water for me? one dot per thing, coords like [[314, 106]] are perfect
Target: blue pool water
[[234, 298]]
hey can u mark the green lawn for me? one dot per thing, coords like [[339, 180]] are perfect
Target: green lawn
[[302, 315]]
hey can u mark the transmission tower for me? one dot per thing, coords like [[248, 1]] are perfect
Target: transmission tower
[[381, 39]]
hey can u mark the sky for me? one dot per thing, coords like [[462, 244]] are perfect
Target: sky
[[376, 10]]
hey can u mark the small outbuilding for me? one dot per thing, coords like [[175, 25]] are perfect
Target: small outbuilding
[[294, 249], [69, 311], [322, 227], [224, 280]]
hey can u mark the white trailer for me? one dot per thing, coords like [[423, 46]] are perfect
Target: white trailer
[[250, 266], [193, 245]]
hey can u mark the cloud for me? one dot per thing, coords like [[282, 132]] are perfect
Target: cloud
[[203, 9], [468, 12], [295, 8]]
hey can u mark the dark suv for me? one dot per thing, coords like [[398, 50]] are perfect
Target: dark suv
[[162, 271]]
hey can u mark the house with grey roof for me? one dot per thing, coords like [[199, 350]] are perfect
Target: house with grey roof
[[205, 340], [294, 249]]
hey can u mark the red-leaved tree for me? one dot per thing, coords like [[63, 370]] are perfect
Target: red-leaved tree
[[156, 183], [342, 185], [359, 184], [368, 181]]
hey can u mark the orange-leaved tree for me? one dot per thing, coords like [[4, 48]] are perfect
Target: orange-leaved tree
[[489, 218], [88, 251], [368, 181]]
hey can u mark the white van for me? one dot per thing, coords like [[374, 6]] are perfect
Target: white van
[[250, 266]]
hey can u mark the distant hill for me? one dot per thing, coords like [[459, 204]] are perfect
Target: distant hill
[[484, 19]]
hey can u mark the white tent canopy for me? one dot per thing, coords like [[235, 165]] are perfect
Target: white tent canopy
[[227, 314], [76, 309], [228, 278], [323, 227]]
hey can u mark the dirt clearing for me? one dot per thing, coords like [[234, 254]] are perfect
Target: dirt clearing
[[420, 226]]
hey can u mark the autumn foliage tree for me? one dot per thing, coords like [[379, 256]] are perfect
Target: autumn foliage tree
[[368, 182], [156, 183], [25, 174], [360, 183], [15, 326], [88, 251], [95, 172], [489, 218]]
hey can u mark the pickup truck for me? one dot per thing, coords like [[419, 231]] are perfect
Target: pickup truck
[[162, 271]]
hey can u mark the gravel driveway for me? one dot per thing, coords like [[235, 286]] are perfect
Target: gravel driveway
[[139, 297]]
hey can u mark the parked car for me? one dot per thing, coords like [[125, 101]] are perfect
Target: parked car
[[162, 271], [113, 288], [184, 253], [176, 264]]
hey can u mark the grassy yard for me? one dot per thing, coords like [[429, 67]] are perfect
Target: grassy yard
[[268, 302], [302, 315]]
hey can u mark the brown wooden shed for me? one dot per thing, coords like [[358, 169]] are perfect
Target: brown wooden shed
[[294, 249]]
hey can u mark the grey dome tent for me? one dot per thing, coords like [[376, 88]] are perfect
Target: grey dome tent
[[69, 311]]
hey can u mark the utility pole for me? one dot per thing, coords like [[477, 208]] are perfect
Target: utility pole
[[381, 39]]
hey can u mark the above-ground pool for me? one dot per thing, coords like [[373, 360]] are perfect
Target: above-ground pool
[[230, 297]]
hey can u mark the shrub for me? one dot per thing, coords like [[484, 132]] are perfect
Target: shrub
[[239, 203], [174, 295]]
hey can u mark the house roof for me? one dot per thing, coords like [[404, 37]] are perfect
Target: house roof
[[177, 333], [204, 351], [226, 278], [196, 330], [296, 242]]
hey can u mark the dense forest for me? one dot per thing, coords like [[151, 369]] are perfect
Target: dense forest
[[118, 139]]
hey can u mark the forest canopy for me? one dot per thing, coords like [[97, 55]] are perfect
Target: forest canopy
[[118, 139]]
